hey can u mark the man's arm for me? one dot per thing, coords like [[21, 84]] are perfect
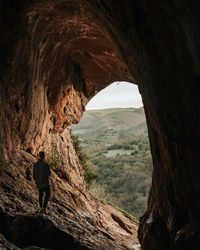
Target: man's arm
[[35, 171]]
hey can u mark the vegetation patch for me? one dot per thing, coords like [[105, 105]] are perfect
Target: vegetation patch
[[117, 142], [114, 152], [99, 191], [83, 157], [53, 160], [125, 213]]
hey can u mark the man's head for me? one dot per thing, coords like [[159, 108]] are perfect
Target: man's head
[[42, 155]]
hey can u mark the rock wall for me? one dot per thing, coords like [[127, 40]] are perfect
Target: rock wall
[[74, 219], [44, 89], [56, 55]]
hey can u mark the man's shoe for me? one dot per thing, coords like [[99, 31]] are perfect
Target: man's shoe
[[44, 211]]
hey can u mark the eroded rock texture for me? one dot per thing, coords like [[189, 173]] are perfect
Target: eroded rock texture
[[55, 56], [75, 220]]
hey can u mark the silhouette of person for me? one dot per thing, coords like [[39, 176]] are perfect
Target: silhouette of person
[[41, 173]]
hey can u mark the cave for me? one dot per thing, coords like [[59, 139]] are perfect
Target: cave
[[55, 56]]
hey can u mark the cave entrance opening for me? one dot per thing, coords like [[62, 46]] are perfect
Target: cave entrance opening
[[113, 133]]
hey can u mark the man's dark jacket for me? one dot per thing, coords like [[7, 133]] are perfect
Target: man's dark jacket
[[41, 173]]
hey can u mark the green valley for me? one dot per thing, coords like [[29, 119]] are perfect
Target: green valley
[[116, 141]]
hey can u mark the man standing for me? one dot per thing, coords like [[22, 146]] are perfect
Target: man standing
[[41, 173]]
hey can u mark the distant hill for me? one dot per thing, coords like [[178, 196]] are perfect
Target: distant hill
[[113, 125], [116, 141]]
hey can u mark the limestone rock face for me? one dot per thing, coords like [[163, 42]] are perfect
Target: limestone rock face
[[55, 56]]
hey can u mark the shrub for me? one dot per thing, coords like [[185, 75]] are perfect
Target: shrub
[[98, 191], [127, 147], [53, 160], [83, 157], [114, 146]]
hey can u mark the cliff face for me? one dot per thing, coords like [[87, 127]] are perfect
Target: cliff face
[[55, 56]]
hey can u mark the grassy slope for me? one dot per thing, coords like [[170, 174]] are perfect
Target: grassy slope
[[113, 125]]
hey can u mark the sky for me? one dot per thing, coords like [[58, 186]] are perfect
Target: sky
[[116, 95]]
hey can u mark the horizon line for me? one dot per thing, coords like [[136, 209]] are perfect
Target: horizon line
[[115, 108]]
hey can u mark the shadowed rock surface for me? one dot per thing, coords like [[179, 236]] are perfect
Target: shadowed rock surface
[[55, 56], [74, 219]]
